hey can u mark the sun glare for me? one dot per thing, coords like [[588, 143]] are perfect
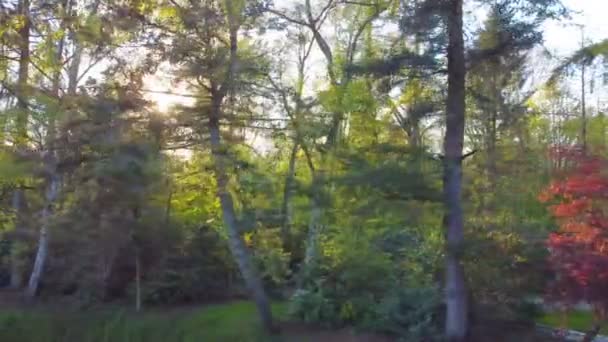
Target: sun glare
[[165, 95]]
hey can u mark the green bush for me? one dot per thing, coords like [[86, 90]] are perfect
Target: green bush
[[201, 269], [358, 286], [344, 286], [410, 313], [314, 306]]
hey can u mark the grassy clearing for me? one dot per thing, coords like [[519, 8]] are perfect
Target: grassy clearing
[[575, 320], [230, 322]]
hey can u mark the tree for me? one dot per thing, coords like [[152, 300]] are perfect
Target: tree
[[456, 300], [339, 75], [578, 248], [224, 74]]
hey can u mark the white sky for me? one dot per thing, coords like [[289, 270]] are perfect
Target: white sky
[[564, 38], [561, 38]]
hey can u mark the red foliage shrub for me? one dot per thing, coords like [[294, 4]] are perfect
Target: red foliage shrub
[[579, 248]]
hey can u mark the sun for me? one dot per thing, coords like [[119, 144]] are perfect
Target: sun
[[164, 94]]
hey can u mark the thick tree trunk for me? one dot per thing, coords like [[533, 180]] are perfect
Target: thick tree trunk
[[287, 209], [456, 302], [235, 242]]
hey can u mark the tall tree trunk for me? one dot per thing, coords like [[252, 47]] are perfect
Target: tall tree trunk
[[287, 209], [235, 242], [456, 302], [54, 180], [21, 137]]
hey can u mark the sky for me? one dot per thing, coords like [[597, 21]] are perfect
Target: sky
[[564, 38], [561, 39]]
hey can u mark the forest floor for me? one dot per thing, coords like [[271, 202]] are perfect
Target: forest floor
[[230, 322], [574, 320]]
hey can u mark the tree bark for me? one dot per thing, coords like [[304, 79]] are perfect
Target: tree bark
[[74, 68], [137, 280], [456, 303], [16, 281], [24, 63], [21, 137], [313, 233], [54, 180], [235, 242], [287, 209], [583, 108], [43, 241]]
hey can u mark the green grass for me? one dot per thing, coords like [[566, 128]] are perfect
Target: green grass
[[575, 320], [236, 322]]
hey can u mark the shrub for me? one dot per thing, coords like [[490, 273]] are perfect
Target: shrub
[[410, 313]]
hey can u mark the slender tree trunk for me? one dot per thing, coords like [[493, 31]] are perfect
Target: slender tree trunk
[[74, 68], [16, 271], [414, 136], [137, 280], [24, 63], [54, 180], [488, 202], [314, 227], [168, 207], [21, 129], [491, 146], [456, 302], [43, 241], [583, 109], [287, 209], [235, 242]]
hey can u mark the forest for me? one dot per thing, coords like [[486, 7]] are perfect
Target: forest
[[301, 170]]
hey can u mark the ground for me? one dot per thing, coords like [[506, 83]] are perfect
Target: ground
[[230, 322], [574, 320]]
